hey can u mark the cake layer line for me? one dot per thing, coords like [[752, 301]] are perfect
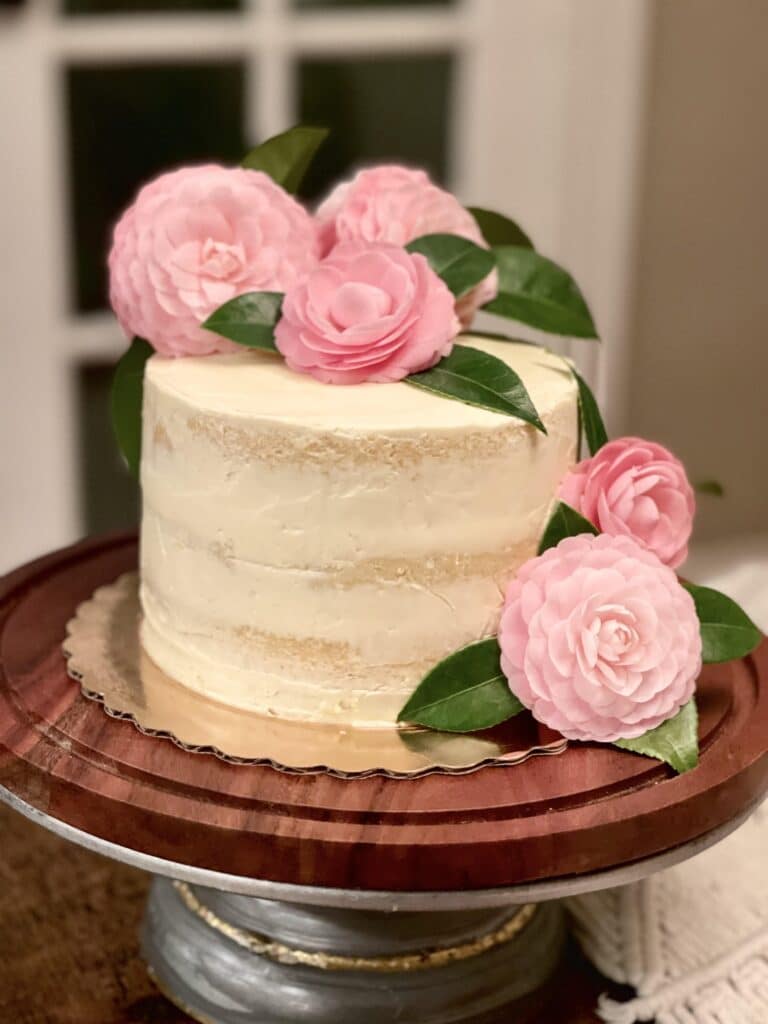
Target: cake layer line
[[276, 444], [384, 621], [432, 567], [292, 696], [313, 657]]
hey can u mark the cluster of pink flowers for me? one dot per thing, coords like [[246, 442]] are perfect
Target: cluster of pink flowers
[[598, 637], [357, 305], [397, 204]]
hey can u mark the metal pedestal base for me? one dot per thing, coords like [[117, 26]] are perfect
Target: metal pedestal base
[[192, 941]]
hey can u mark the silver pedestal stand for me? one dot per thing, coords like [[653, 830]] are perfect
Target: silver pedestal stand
[[235, 950]]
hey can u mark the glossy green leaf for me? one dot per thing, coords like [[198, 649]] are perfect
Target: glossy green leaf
[[286, 157], [465, 692], [248, 319], [675, 741], [564, 522], [591, 418], [713, 487], [477, 378], [498, 229], [459, 262], [126, 401], [726, 630], [537, 292]]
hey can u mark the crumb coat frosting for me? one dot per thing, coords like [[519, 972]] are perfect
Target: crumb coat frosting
[[311, 550]]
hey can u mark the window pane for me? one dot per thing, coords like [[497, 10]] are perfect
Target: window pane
[[109, 495], [378, 109], [138, 6], [127, 123]]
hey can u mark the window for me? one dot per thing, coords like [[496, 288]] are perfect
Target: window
[[379, 109], [125, 125], [128, 118], [117, 90]]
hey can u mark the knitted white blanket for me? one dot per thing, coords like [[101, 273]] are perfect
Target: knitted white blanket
[[693, 940]]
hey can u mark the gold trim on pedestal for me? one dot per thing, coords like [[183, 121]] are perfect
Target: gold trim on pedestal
[[440, 956]]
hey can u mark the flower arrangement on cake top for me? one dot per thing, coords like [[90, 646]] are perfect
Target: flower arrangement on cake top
[[597, 636], [375, 287]]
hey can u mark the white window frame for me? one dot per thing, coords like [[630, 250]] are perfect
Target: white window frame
[[524, 138]]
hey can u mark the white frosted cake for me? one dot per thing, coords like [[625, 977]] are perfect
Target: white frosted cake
[[357, 512], [310, 551]]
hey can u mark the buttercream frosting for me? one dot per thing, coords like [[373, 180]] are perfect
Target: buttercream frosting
[[310, 551]]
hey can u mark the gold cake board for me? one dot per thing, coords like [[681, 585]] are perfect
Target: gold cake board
[[105, 656]]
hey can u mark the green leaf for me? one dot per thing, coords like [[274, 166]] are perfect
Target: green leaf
[[459, 262], [591, 419], [709, 487], [498, 229], [726, 630], [286, 157], [248, 319], [477, 378], [564, 522], [537, 292], [465, 692], [675, 741], [126, 401]]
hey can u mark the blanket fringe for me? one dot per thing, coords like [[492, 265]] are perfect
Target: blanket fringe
[[692, 941]]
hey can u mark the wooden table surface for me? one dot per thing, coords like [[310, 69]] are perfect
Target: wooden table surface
[[68, 940]]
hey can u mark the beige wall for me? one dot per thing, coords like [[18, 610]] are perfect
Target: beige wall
[[700, 324]]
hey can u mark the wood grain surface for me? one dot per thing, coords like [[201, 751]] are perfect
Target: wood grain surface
[[591, 808], [69, 951]]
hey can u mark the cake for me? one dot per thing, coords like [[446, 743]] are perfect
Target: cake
[[309, 551], [360, 513]]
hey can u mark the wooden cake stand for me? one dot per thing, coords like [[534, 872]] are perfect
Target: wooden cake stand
[[284, 897]]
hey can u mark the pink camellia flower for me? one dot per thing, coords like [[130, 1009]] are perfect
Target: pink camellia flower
[[369, 311], [397, 204], [599, 640], [195, 238], [639, 489]]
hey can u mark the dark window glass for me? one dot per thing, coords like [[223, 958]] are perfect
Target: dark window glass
[[109, 495], [140, 6], [378, 108], [128, 123]]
